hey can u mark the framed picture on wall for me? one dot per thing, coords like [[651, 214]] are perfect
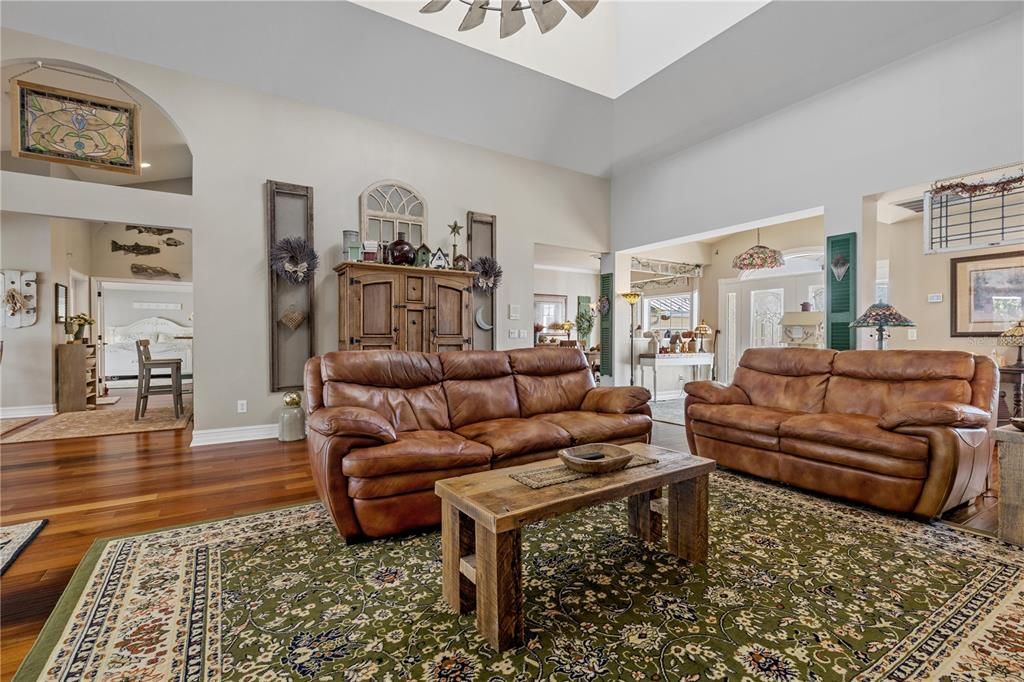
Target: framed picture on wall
[[60, 301], [986, 293], [76, 128]]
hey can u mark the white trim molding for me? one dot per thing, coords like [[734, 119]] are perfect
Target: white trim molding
[[28, 411], [235, 434]]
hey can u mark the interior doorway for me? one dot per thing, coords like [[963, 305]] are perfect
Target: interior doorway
[[751, 306]]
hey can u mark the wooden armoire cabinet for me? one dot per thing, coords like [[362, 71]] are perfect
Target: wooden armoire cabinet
[[395, 307]]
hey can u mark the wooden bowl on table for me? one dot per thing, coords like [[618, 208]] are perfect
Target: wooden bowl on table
[[596, 458]]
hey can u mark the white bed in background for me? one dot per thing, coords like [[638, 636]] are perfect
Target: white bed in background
[[120, 360]]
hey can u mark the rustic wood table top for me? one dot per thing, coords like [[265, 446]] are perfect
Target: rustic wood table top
[[500, 503]]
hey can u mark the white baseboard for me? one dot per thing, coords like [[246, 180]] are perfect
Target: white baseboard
[[233, 435], [28, 411]]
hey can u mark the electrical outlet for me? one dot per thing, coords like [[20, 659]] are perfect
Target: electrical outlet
[[911, 335], [243, 406], [935, 298]]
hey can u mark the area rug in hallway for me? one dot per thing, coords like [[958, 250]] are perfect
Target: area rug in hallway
[[795, 588], [8, 425], [15, 538], [670, 411], [88, 423]]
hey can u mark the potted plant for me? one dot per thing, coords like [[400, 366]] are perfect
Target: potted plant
[[76, 325], [584, 326]]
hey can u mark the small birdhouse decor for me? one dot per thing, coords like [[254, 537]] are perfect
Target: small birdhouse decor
[[462, 262], [422, 256], [439, 260]]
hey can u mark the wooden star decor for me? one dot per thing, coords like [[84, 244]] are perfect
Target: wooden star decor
[[455, 229]]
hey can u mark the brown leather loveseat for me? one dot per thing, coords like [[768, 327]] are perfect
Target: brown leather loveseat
[[904, 431], [385, 425]]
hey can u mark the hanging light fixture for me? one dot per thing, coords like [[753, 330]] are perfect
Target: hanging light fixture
[[547, 13], [758, 257]]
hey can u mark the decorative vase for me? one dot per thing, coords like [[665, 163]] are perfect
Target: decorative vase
[[401, 252], [805, 307], [79, 333]]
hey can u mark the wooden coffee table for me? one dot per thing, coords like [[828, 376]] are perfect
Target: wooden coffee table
[[482, 514]]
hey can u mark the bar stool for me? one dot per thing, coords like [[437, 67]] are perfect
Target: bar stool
[[146, 366]]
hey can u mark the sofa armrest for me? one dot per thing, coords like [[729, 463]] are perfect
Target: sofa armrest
[[935, 413], [354, 422], [616, 399], [716, 393]]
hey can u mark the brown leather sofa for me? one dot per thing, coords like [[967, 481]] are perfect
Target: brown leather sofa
[[904, 431], [385, 425]]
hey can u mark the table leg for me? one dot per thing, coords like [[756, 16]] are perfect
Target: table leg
[[1018, 397], [688, 519], [654, 370], [499, 587], [644, 522], [457, 541]]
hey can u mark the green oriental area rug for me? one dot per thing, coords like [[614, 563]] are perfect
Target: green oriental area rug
[[795, 588]]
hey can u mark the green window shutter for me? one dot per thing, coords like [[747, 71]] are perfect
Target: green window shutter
[[606, 326], [841, 295]]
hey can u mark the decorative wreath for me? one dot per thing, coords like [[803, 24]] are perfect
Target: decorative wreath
[[603, 305], [488, 274], [294, 259]]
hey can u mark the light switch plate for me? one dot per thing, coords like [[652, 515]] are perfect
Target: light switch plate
[[911, 335], [935, 298], [513, 333], [524, 333], [513, 311]]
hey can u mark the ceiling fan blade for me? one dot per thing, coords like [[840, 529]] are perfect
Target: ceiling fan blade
[[548, 13], [512, 18], [581, 7], [475, 15], [434, 6]]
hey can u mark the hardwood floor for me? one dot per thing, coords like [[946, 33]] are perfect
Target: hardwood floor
[[93, 488]]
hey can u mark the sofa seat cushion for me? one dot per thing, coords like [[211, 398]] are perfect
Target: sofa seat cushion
[[727, 434], [744, 417], [594, 427], [856, 459], [854, 431], [408, 482], [507, 437], [416, 451]]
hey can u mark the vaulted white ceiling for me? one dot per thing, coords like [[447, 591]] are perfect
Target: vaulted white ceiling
[[620, 44], [344, 56]]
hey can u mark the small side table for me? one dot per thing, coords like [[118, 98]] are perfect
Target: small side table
[[1010, 441]]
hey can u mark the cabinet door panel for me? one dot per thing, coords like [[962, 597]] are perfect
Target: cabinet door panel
[[450, 301], [415, 330], [373, 311]]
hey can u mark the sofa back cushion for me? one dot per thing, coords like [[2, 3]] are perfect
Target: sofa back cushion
[[550, 379], [785, 378], [872, 383], [479, 386], [404, 387]]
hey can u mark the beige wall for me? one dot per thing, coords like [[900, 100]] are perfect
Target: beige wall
[[26, 374], [254, 137], [912, 276]]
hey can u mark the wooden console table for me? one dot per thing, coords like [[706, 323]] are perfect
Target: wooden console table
[[482, 516], [656, 360]]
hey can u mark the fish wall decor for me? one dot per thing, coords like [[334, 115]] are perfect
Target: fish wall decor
[[171, 241], [142, 229], [153, 272], [135, 249]]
